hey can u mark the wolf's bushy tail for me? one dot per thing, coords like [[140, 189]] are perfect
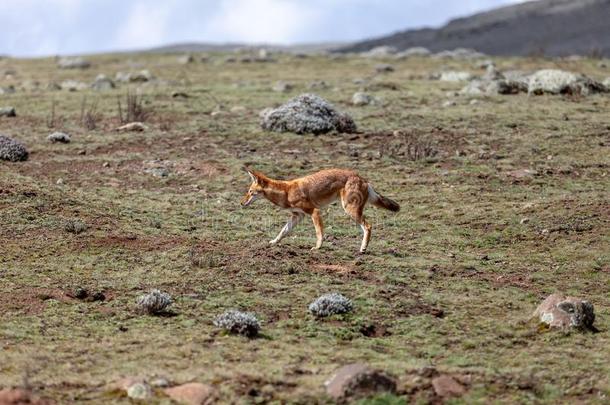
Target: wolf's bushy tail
[[382, 202]]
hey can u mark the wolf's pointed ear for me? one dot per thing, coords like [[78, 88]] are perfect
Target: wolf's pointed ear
[[250, 173]]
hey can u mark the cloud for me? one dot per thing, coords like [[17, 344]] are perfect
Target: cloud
[[277, 21], [146, 25]]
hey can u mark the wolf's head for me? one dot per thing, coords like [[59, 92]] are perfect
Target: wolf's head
[[256, 189]]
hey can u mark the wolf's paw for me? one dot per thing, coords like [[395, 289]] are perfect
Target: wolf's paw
[[315, 248], [273, 242]]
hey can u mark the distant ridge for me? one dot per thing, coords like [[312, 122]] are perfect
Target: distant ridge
[[543, 27], [229, 47]]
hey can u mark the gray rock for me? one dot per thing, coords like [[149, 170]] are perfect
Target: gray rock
[[560, 311], [360, 99], [155, 302], [237, 322], [59, 137], [73, 63], [384, 68], [307, 114], [140, 391], [554, 81], [8, 112], [357, 381], [102, 83], [330, 304], [12, 150], [318, 85]]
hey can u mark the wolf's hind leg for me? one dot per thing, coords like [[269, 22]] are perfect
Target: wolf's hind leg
[[292, 222]]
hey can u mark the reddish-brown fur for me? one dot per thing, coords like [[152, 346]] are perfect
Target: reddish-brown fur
[[307, 195]]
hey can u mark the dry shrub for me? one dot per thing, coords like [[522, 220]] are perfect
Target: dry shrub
[[411, 146], [89, 115], [135, 110]]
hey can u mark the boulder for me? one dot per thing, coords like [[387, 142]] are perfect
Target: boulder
[[192, 394], [356, 381], [8, 112], [554, 81], [12, 150], [73, 63], [560, 311], [185, 59], [307, 114]]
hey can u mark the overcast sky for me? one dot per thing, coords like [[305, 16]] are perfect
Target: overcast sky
[[50, 27]]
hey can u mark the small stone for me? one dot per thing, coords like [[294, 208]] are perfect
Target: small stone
[[139, 390], [132, 126], [159, 382], [8, 112], [185, 59], [73, 85], [356, 381], [524, 221], [449, 103], [59, 137], [447, 386], [522, 174], [192, 394], [455, 76], [158, 171], [238, 109], [60, 182], [102, 83], [360, 99], [560, 311]]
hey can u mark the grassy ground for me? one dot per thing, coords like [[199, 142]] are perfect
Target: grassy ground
[[450, 281]]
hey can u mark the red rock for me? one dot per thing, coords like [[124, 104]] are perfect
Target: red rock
[[446, 386], [192, 393], [358, 381]]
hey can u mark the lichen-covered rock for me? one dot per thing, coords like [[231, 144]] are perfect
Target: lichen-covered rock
[[140, 391], [356, 381], [154, 302], [59, 137], [330, 304], [12, 150], [307, 114], [237, 322], [554, 81], [75, 62], [560, 311], [8, 112]]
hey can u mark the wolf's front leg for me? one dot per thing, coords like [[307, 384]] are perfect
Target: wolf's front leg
[[292, 222]]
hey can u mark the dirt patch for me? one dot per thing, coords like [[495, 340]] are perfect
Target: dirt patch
[[133, 242], [31, 301]]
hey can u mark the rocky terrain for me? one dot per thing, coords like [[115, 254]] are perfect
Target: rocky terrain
[[129, 273]]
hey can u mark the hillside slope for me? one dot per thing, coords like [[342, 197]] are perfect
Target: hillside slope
[[549, 27]]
